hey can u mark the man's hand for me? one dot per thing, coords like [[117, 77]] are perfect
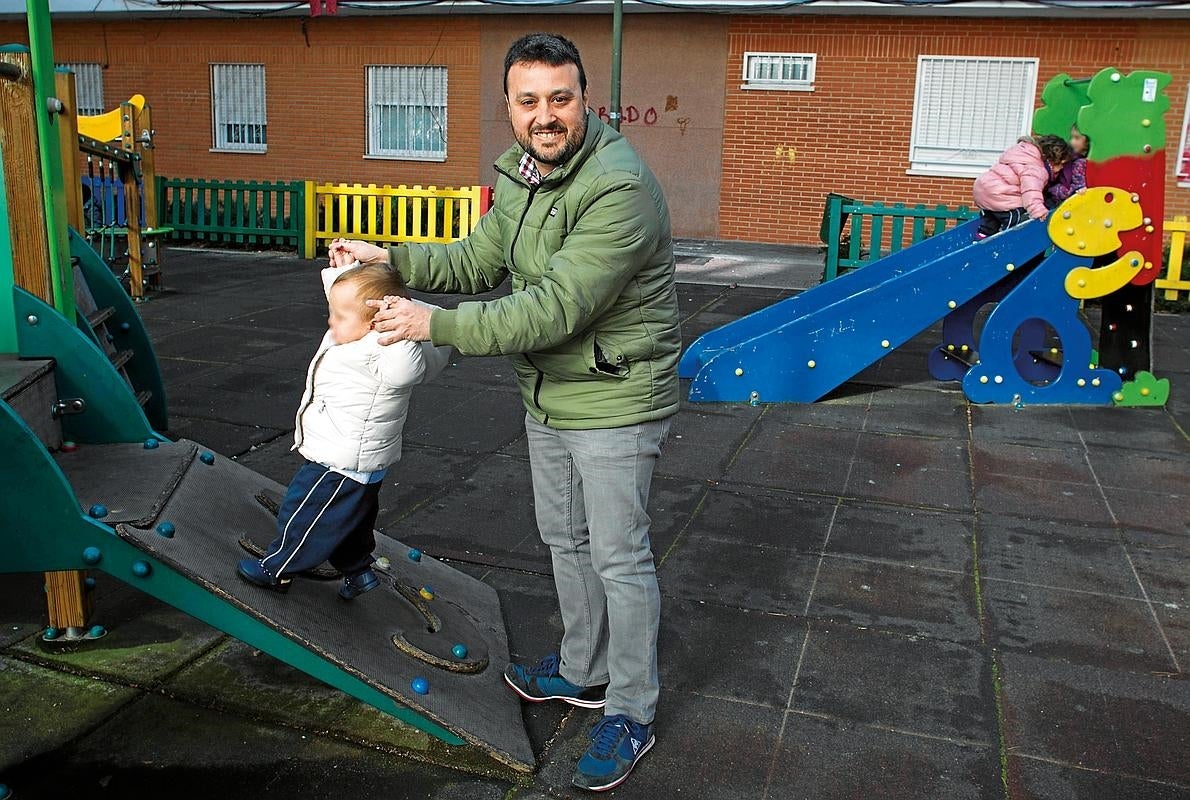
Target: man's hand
[[348, 250], [400, 320]]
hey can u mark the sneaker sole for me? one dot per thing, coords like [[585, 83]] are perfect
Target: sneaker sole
[[607, 788], [571, 700]]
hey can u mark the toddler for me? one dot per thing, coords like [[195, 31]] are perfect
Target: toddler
[[1015, 185], [349, 426]]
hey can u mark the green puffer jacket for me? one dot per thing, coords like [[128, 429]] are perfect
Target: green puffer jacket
[[592, 320]]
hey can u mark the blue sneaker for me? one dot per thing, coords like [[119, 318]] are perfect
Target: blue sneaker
[[250, 570], [542, 682], [355, 585], [617, 743]]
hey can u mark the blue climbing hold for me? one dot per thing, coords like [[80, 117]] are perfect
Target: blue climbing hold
[[99, 510], [97, 631], [89, 582], [50, 634], [152, 444], [92, 555], [125, 326], [166, 529], [420, 685], [459, 651], [142, 569], [207, 457], [414, 554]]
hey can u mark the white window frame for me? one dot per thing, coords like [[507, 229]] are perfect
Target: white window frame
[[239, 117], [88, 87], [420, 86], [1181, 164], [947, 125], [755, 63]]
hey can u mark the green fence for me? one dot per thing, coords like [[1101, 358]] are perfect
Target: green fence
[[856, 233], [240, 212]]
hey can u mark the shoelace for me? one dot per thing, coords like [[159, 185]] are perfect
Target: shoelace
[[545, 668], [607, 735]]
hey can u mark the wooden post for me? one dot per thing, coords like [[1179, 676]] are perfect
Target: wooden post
[[68, 143], [23, 181], [69, 604], [142, 128], [128, 177]]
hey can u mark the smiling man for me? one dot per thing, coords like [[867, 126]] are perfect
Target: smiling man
[[581, 226]]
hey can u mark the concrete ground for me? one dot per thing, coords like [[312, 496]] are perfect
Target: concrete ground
[[890, 593]]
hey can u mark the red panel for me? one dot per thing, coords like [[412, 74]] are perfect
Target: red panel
[[1143, 176]]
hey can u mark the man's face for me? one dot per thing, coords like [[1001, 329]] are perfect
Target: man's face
[[548, 112]]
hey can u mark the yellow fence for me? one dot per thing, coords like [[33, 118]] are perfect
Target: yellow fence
[[1173, 282], [391, 214]]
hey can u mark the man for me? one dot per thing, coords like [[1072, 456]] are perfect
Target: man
[[591, 326]]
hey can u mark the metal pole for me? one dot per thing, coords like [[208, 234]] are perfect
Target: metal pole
[[613, 113], [41, 57]]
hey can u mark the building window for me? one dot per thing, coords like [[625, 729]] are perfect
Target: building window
[[88, 87], [407, 112], [1182, 161], [789, 72], [238, 115], [967, 111]]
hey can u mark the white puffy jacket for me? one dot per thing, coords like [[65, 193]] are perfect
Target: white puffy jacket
[[357, 397]]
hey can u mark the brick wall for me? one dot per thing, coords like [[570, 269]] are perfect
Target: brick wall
[[851, 134], [314, 75]]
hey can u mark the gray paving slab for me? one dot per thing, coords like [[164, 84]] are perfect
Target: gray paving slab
[[912, 537], [1035, 498], [1036, 779], [1157, 511], [911, 471], [1160, 562]]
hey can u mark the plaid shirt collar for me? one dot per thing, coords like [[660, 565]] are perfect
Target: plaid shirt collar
[[528, 170]]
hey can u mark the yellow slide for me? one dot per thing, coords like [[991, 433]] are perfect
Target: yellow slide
[[106, 126]]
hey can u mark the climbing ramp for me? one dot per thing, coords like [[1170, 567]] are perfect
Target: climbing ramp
[[100, 490]]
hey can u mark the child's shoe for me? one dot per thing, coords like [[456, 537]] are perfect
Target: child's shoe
[[251, 570], [355, 585]]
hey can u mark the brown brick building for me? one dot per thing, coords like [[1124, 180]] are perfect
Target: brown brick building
[[749, 120]]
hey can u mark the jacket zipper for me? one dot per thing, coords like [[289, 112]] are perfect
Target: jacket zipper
[[511, 250]]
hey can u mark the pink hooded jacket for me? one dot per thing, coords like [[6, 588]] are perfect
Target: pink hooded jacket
[[1017, 180]]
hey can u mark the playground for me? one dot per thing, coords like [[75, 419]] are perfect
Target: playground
[[889, 593], [920, 531]]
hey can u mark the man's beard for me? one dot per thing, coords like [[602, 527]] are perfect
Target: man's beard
[[574, 140]]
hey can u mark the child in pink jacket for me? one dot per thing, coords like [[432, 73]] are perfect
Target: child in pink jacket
[[1015, 185]]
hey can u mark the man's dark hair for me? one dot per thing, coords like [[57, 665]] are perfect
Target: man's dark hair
[[544, 48]]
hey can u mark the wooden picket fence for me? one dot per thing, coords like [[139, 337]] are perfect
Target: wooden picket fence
[[391, 214], [234, 212]]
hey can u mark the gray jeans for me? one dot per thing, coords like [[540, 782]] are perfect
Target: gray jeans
[[590, 490]]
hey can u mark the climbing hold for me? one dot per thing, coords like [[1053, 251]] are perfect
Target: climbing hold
[[383, 562], [1082, 245], [459, 651], [142, 569], [92, 555], [152, 444], [89, 582], [31, 319], [1122, 370], [1094, 381], [1135, 198], [810, 363], [964, 348], [950, 347], [51, 633], [414, 554], [951, 304], [1118, 397], [983, 378], [1148, 265], [1148, 148], [420, 685], [1128, 307], [1144, 391], [884, 342], [97, 631], [1135, 344], [1010, 267], [69, 446], [1081, 381], [999, 379], [1065, 215], [1111, 326], [1070, 231], [167, 530], [1149, 229], [427, 592], [98, 511], [739, 371], [1115, 77], [1148, 220], [1081, 283], [1107, 223], [1053, 351], [1144, 123], [125, 326], [1134, 262], [207, 457]]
